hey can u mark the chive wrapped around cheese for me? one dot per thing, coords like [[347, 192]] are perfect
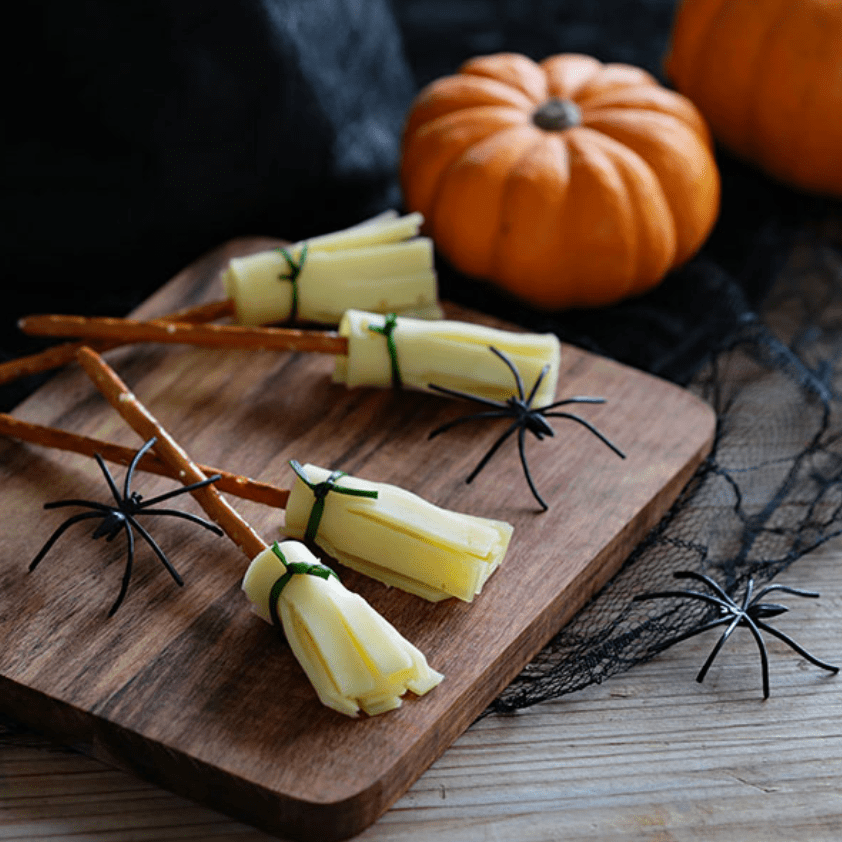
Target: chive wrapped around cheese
[[354, 658], [395, 536], [452, 354], [380, 265]]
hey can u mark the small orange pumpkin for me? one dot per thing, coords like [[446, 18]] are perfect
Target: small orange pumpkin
[[767, 75], [567, 182]]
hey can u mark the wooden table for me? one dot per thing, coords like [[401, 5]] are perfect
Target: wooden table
[[648, 755]]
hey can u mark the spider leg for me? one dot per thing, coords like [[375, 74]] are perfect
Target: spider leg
[[762, 610], [705, 597], [692, 633], [717, 648], [785, 589], [538, 380], [565, 401], [501, 413], [58, 533], [714, 586], [491, 451], [156, 549], [91, 504], [127, 572], [133, 464], [747, 595], [177, 491], [761, 646], [454, 393], [108, 478], [604, 439], [793, 645], [513, 368], [186, 515], [521, 449]]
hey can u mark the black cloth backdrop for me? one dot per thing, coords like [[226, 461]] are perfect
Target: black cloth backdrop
[[138, 135]]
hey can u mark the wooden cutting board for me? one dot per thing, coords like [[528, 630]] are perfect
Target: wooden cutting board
[[185, 686]]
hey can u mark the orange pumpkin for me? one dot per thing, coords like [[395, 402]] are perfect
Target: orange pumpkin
[[567, 182], [767, 75]]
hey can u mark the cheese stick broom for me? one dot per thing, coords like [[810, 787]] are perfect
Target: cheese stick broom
[[395, 536], [383, 532], [370, 349], [380, 265], [352, 656]]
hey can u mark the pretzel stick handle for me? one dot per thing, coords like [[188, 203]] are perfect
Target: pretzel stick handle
[[206, 336], [118, 394], [239, 486], [54, 357], [65, 353]]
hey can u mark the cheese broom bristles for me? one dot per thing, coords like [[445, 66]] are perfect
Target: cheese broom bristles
[[354, 658], [395, 536], [451, 354], [334, 636], [381, 265]]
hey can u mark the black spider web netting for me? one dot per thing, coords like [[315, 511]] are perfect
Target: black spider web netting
[[770, 491]]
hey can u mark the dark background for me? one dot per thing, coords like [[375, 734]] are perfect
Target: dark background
[[140, 134]]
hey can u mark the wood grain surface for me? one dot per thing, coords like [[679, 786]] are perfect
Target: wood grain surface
[[185, 687]]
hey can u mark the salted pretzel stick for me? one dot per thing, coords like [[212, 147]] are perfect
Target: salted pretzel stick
[[118, 394], [60, 355], [244, 487], [207, 336]]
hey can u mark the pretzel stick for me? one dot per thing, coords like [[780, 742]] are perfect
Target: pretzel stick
[[60, 355], [243, 487], [206, 336], [142, 422]]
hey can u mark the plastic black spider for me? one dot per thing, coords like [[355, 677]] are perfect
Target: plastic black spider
[[751, 612], [123, 517], [525, 417]]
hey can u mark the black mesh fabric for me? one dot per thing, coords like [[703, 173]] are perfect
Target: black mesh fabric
[[770, 491]]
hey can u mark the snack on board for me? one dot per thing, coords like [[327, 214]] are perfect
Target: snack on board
[[370, 349], [451, 354], [395, 536], [348, 632], [355, 659], [381, 265]]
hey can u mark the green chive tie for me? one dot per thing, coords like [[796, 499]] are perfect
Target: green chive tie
[[295, 568], [320, 491], [292, 277], [388, 330]]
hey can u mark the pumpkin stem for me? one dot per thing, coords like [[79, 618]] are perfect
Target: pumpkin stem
[[555, 115]]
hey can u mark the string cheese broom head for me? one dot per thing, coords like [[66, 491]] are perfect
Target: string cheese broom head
[[381, 265], [456, 355], [354, 658], [393, 535]]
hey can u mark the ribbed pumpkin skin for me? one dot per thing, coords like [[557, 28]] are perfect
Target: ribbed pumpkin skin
[[767, 75], [577, 217]]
